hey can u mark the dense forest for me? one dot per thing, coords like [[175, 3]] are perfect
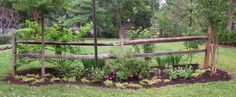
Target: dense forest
[[115, 18]]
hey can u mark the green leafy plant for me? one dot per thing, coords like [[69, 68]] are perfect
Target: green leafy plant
[[27, 34], [132, 68], [180, 72], [185, 73], [89, 63], [161, 61], [169, 61], [192, 45], [97, 74], [67, 67], [143, 34], [174, 59], [172, 74]]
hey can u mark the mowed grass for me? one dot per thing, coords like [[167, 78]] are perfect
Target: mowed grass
[[227, 62]]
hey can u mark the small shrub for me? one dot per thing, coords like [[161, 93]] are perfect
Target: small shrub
[[68, 71], [143, 34], [130, 68], [5, 39], [89, 63], [192, 45], [172, 74], [97, 74], [227, 38], [161, 61], [168, 61], [184, 73]]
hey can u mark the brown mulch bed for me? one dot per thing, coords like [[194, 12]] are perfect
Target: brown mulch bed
[[206, 77]]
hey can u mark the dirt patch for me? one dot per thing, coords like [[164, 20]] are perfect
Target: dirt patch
[[205, 77], [37, 71]]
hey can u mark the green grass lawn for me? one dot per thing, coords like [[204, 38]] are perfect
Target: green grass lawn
[[227, 62]]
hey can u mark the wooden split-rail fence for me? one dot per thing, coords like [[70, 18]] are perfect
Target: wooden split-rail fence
[[42, 56]]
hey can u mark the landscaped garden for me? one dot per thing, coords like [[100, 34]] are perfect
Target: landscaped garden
[[219, 88], [117, 48]]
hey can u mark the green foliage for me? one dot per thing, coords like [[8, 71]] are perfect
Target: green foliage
[[161, 61], [67, 67], [185, 73], [167, 24], [97, 74], [143, 34], [180, 72], [90, 63], [174, 60], [27, 49], [172, 74], [110, 32], [28, 32], [60, 33], [25, 5], [169, 61], [68, 71], [192, 45], [5, 39], [227, 38], [131, 68]]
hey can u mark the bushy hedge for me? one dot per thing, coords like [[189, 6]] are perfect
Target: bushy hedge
[[5, 39], [227, 38]]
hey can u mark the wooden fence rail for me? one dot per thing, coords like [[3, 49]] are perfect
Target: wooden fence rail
[[130, 42], [106, 56]]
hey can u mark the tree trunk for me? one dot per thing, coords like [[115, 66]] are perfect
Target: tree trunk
[[231, 12], [121, 32], [36, 20], [190, 16]]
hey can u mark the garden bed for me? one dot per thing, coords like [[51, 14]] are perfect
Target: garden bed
[[54, 74]]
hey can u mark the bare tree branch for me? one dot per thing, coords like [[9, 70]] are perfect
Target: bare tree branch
[[8, 19]]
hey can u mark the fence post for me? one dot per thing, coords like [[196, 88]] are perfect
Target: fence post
[[14, 54], [43, 47], [208, 47]]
